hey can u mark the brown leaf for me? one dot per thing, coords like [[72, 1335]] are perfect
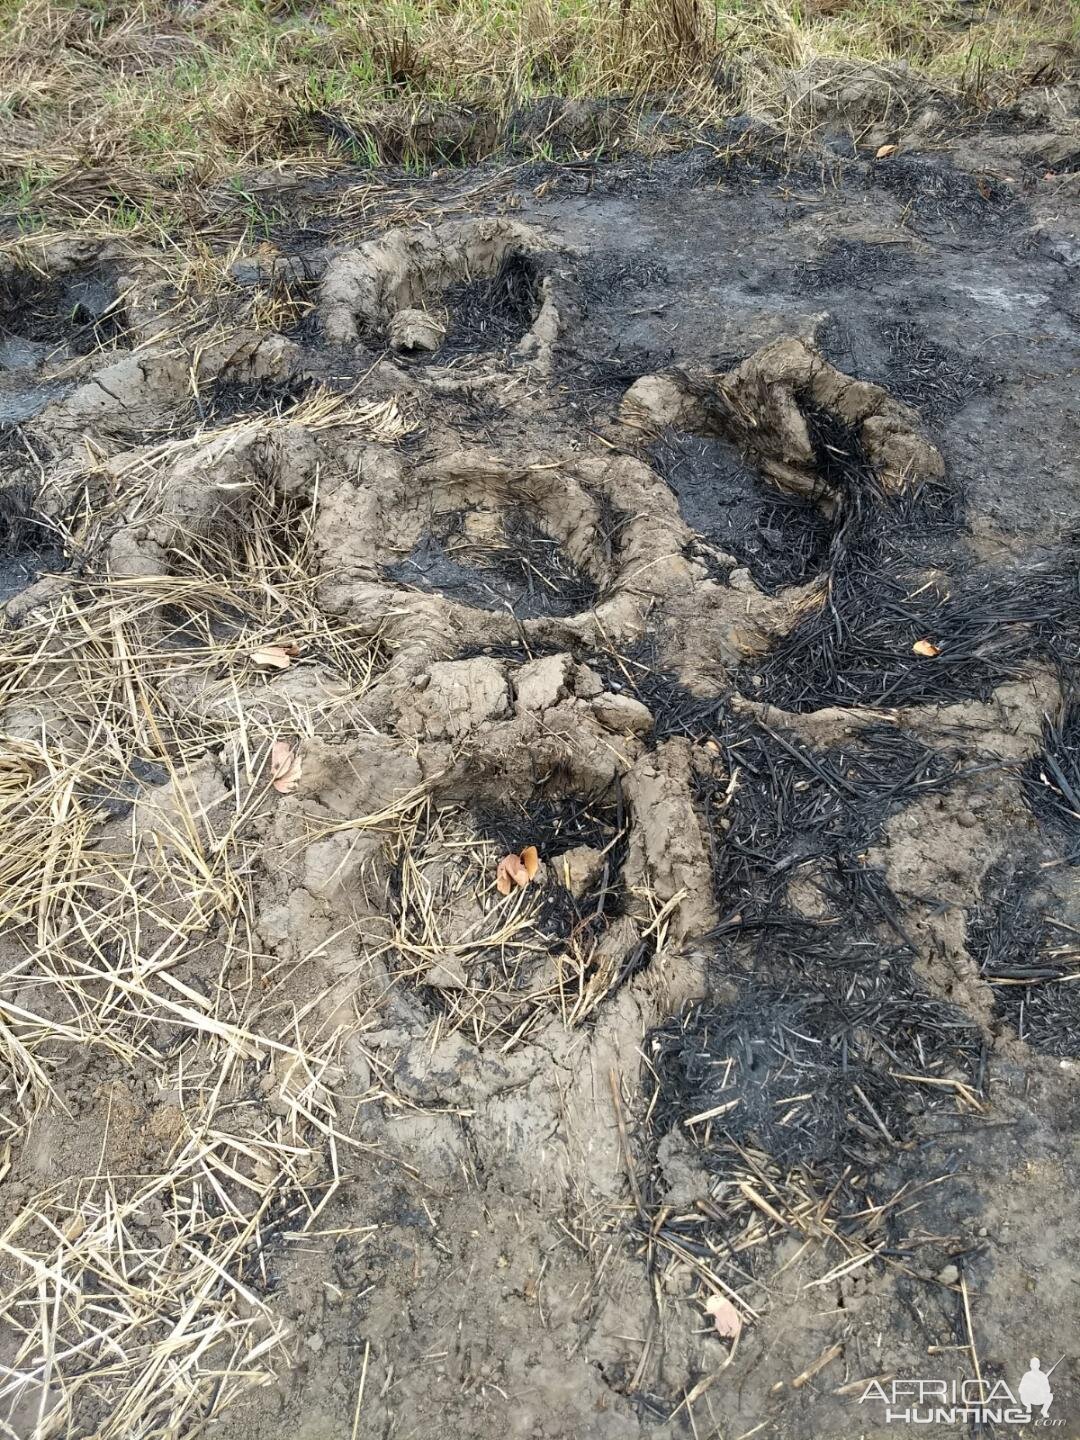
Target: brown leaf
[[531, 860], [510, 872], [883, 151], [726, 1318], [285, 767], [927, 648], [270, 657]]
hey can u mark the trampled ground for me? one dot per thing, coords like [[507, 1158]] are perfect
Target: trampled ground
[[705, 521]]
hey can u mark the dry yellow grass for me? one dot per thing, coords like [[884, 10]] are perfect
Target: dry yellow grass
[[153, 99], [112, 942]]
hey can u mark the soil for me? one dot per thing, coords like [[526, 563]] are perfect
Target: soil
[[787, 1014]]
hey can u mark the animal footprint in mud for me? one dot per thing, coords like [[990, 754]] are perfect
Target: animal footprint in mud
[[516, 869]]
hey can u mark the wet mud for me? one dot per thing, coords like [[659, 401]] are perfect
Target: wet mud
[[706, 523]]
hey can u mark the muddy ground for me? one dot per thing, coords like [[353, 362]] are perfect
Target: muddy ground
[[707, 522]]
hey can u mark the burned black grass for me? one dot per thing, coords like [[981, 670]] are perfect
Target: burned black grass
[[781, 539], [901, 355], [896, 577], [590, 380], [1051, 781], [857, 647], [603, 276], [778, 811], [516, 567], [847, 475], [818, 1053], [798, 1086], [856, 265], [227, 399], [1030, 958], [74, 314], [492, 314], [29, 542], [675, 709], [938, 197], [774, 807], [933, 378], [815, 1061], [22, 526]]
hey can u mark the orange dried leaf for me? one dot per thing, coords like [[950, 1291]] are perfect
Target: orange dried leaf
[[726, 1318], [926, 647], [285, 767], [530, 858], [883, 151], [510, 872], [287, 783]]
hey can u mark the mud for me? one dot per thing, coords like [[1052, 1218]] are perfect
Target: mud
[[602, 517]]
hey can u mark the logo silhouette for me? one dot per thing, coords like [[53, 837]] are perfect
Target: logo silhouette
[[1035, 1392]]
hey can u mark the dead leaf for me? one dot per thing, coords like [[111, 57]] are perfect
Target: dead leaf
[[285, 767], [510, 872], [726, 1318], [885, 150], [281, 754], [530, 858], [270, 657], [926, 647]]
